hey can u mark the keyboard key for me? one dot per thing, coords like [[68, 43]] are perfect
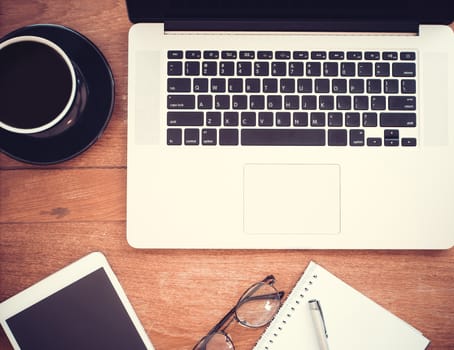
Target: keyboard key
[[354, 55], [209, 137], [308, 102], [361, 102], [378, 103], [228, 137], [408, 141], [291, 102], [231, 118], [408, 86], [356, 137], [382, 69], [209, 68], [174, 68], [192, 68], [244, 68], [326, 102], [304, 86], [218, 85], [227, 68], [391, 86], [318, 55], [392, 142], [261, 69], [397, 119], [210, 55], [248, 119], [318, 119], [356, 86], [200, 85], [180, 101], [300, 119], [235, 85], [174, 137], [252, 85], [191, 137], [178, 85], [274, 101], [337, 137], [247, 55], [407, 56], [402, 103], [372, 55], [265, 55], [282, 55], [282, 119], [389, 55], [330, 69], [257, 102], [335, 119], [204, 101], [278, 68], [336, 55], [343, 102], [185, 118], [213, 119], [228, 55], [265, 119], [404, 70], [369, 120], [300, 55], [193, 55], [374, 141], [339, 86], [373, 86], [352, 119], [283, 137], [269, 85], [174, 54], [365, 69], [321, 85], [348, 69], [295, 69], [239, 101], [313, 69], [287, 86], [391, 134], [222, 102]]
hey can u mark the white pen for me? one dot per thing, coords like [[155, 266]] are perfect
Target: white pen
[[319, 323]]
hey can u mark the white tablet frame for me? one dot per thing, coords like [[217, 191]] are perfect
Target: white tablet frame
[[60, 280]]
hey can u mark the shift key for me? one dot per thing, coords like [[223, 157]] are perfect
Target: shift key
[[406, 120], [180, 101]]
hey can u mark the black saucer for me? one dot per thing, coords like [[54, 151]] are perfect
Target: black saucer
[[90, 125]]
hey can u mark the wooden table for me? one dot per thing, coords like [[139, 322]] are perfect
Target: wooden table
[[51, 216]]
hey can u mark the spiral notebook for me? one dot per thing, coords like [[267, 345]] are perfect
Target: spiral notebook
[[353, 321]]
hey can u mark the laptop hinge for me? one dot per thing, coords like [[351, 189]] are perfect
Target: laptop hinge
[[371, 26]]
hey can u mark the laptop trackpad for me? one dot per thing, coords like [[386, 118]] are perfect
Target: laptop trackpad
[[292, 198]]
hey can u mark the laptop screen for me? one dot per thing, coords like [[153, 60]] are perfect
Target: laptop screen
[[421, 11]]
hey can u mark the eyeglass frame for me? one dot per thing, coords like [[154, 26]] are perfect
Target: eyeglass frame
[[222, 325]]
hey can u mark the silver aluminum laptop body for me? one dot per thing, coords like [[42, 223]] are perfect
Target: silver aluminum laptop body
[[211, 195]]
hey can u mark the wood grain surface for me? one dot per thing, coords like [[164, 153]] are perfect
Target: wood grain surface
[[51, 216]]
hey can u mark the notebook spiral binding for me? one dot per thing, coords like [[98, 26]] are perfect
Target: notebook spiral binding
[[293, 301]]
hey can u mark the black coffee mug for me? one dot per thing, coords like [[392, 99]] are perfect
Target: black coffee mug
[[42, 91]]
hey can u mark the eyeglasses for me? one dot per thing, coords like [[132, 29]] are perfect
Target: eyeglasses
[[256, 308]]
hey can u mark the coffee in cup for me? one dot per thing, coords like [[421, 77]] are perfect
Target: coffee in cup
[[38, 86]]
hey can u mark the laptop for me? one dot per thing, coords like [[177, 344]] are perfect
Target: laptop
[[290, 124]]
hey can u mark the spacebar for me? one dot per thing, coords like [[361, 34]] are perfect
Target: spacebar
[[282, 137]]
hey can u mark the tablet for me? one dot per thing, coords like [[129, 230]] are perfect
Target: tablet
[[81, 306]]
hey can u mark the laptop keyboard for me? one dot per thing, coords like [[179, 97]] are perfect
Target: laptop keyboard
[[298, 98]]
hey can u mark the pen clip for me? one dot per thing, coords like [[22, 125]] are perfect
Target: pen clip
[[318, 306]]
